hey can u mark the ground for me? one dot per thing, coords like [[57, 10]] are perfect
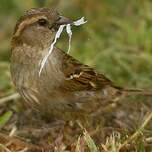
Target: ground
[[116, 40]]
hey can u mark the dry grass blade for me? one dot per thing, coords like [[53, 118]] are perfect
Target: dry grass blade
[[77, 149], [138, 132], [2, 147], [9, 98], [16, 144], [80, 145], [24, 150], [113, 143]]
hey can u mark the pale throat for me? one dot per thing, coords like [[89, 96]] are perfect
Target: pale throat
[[35, 52]]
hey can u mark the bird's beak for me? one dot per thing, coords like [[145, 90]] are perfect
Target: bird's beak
[[64, 20]]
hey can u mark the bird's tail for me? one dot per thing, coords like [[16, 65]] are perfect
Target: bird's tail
[[136, 92]]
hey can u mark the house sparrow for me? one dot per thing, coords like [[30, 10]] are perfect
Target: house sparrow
[[66, 88]]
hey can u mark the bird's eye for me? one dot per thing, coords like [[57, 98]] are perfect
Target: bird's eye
[[42, 22]]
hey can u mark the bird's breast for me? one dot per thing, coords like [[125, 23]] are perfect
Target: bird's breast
[[25, 74]]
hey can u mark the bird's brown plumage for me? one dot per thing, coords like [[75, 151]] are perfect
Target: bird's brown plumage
[[65, 84]]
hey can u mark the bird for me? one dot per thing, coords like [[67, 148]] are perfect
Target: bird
[[66, 88]]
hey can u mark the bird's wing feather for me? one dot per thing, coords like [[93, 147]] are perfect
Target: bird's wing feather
[[82, 77]]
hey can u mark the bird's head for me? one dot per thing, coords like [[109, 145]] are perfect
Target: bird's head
[[38, 27]]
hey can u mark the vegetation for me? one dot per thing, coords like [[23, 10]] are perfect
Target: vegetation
[[117, 40]]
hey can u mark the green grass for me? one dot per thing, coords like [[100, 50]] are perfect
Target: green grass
[[117, 40]]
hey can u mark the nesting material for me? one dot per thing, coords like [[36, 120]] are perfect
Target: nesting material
[[57, 36]]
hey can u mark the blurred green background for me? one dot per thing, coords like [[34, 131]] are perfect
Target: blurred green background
[[117, 39]]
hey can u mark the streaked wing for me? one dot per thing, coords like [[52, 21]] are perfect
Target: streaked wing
[[81, 77]]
